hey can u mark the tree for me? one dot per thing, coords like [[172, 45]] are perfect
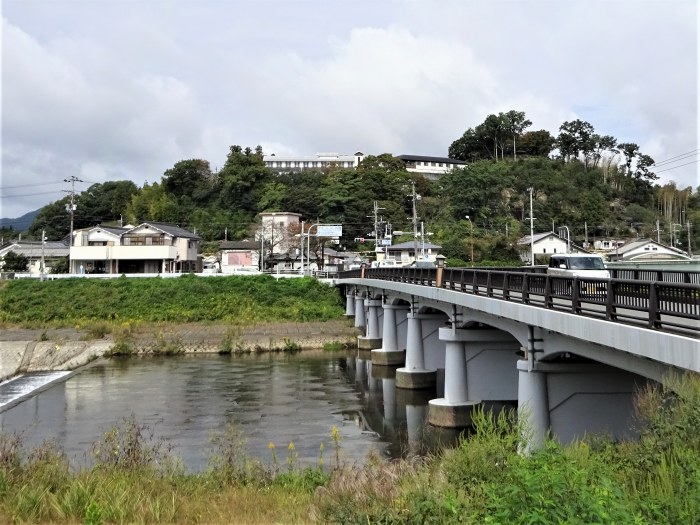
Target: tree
[[104, 202], [15, 262], [189, 178], [536, 143], [469, 147], [385, 162], [61, 265], [575, 138], [516, 123]]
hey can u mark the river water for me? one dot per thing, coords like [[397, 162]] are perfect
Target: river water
[[184, 400]]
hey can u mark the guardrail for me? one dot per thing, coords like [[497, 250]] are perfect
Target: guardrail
[[672, 306]]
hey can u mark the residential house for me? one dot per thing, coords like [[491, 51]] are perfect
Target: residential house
[[52, 252], [239, 256], [544, 245], [150, 247], [279, 231], [646, 250], [405, 252]]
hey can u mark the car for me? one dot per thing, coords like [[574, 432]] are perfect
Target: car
[[587, 266]]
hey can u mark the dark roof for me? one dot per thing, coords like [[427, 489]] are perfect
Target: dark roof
[[114, 230], [424, 158], [239, 245], [170, 229]]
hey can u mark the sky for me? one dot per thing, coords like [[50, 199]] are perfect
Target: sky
[[123, 89]]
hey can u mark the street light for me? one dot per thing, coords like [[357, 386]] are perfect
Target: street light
[[471, 237]]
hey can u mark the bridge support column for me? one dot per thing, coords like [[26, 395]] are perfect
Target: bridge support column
[[389, 353], [455, 409], [533, 405], [360, 320], [349, 303], [373, 339], [415, 375]]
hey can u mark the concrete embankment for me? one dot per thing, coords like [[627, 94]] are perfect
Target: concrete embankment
[[24, 350]]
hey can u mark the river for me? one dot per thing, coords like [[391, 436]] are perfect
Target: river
[[277, 398]]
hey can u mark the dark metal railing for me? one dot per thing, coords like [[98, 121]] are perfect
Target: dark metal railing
[[670, 301]]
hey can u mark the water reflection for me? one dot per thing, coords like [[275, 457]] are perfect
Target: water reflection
[[276, 398]]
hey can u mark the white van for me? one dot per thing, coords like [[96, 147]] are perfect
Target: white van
[[579, 265]]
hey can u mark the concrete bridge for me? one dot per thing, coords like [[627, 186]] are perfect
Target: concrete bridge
[[571, 352]]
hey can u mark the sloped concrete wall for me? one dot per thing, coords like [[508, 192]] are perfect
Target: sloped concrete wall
[[31, 356]]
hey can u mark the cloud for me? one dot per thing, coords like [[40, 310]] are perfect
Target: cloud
[[99, 90]]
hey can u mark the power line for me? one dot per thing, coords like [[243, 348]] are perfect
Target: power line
[[687, 153], [679, 166], [30, 194], [679, 159], [30, 185]]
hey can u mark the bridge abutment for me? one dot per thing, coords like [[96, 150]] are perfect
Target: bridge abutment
[[571, 400]]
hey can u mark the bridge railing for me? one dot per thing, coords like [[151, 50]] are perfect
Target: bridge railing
[[662, 305]]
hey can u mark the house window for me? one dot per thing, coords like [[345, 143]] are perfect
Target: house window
[[544, 250]]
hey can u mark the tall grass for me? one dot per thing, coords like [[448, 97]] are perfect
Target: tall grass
[[234, 299], [485, 480]]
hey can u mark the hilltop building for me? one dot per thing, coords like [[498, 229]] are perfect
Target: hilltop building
[[430, 167]]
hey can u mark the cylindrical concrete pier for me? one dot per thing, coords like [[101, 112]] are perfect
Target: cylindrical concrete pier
[[389, 353], [414, 375], [533, 405]]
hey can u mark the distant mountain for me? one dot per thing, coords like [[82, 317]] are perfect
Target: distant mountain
[[22, 223]]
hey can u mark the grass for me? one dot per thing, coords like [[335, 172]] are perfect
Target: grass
[[97, 304], [485, 480]]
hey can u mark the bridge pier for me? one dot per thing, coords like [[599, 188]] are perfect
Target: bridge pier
[[533, 406], [415, 375], [389, 352], [349, 303], [360, 320], [373, 339], [454, 410]]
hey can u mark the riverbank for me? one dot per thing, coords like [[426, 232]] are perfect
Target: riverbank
[[29, 350]]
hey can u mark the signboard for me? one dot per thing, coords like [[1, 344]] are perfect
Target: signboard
[[385, 242], [329, 230]]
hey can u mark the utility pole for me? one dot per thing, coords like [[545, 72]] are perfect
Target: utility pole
[[658, 232], [415, 197], [690, 252], [71, 208], [301, 238], [377, 223], [41, 271], [532, 231]]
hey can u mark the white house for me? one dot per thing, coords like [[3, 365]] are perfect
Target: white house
[[52, 252], [405, 252], [278, 231], [544, 245], [150, 247], [647, 250], [430, 167]]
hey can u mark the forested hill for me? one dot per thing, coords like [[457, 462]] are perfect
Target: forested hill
[[579, 179]]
